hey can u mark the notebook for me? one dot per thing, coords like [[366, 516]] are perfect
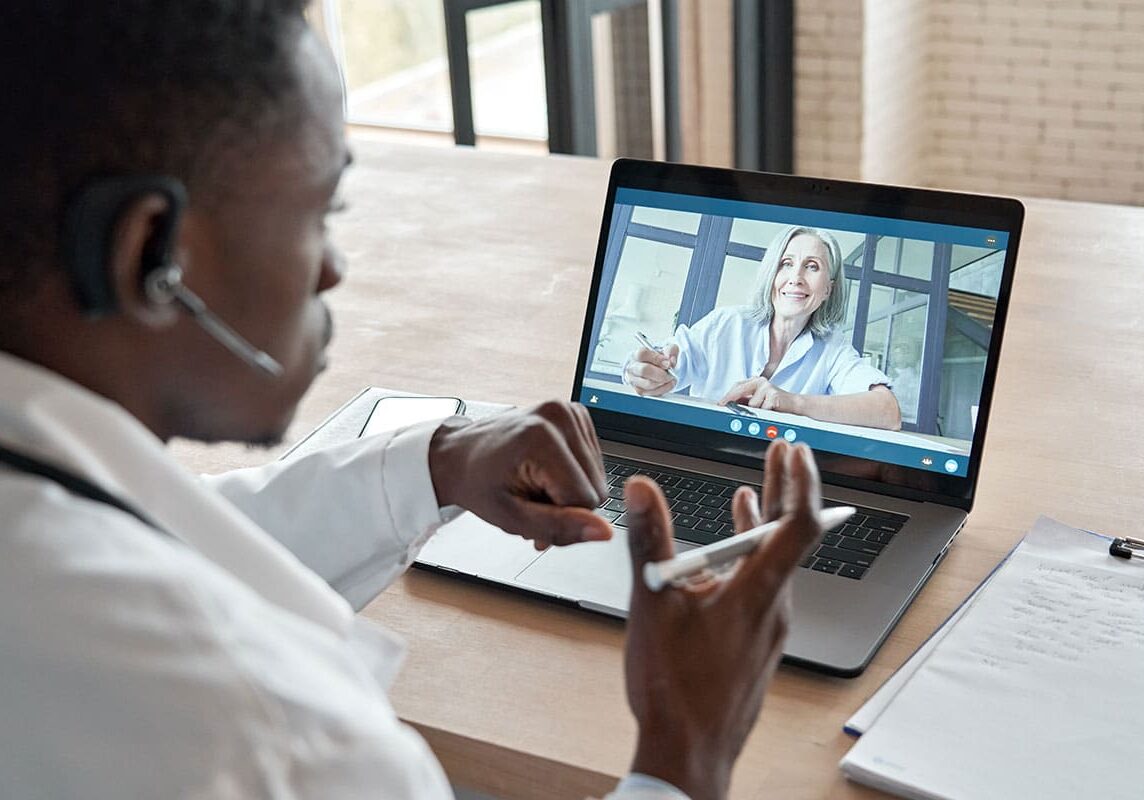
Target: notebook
[[1033, 691], [902, 296]]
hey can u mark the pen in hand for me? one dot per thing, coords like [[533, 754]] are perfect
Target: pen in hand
[[647, 343], [659, 574]]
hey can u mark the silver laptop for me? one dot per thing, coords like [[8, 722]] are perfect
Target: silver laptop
[[922, 291]]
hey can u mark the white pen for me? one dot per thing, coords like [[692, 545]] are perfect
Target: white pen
[[647, 343], [658, 574]]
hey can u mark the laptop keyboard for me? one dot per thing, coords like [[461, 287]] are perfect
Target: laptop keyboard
[[701, 513]]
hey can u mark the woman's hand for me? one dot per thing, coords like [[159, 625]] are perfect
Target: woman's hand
[[875, 408], [761, 393], [647, 371]]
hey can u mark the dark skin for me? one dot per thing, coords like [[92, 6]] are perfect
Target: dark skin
[[258, 253], [699, 657]]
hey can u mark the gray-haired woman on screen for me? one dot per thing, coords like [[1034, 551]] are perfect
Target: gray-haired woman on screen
[[783, 352]]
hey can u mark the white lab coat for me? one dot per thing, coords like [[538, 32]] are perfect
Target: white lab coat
[[212, 663], [728, 346]]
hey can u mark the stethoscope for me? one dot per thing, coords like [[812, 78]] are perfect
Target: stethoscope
[[73, 483]]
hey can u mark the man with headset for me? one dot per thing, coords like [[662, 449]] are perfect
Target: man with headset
[[168, 167]]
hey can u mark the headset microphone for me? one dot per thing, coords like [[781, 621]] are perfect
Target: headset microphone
[[165, 285], [89, 221]]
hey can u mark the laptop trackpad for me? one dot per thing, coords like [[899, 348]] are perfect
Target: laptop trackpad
[[596, 573]]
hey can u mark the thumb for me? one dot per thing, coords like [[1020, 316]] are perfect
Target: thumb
[[649, 528]]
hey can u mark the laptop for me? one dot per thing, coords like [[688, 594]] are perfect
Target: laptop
[[923, 286]]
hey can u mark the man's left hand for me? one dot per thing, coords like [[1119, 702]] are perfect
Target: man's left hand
[[536, 472]]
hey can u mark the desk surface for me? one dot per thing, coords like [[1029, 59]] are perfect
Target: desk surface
[[468, 275]]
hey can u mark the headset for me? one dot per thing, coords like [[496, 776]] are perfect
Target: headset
[[89, 224]]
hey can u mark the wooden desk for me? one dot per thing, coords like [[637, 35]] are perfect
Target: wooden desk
[[469, 272]]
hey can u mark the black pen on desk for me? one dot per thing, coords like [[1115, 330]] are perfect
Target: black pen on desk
[[646, 342]]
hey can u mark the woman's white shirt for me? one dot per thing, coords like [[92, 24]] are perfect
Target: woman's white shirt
[[728, 346], [214, 662]]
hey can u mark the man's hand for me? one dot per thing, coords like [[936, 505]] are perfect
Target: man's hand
[[698, 658], [537, 473], [646, 372], [761, 393]]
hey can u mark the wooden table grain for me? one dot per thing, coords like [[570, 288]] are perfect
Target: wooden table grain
[[469, 273]]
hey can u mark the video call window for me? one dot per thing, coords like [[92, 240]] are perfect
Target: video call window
[[919, 311]]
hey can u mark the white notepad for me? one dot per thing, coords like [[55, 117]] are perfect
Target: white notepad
[[868, 714], [1036, 691]]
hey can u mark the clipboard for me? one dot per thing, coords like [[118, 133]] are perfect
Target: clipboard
[[1125, 547], [1014, 700]]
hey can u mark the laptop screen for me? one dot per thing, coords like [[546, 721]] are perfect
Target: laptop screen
[[868, 335]]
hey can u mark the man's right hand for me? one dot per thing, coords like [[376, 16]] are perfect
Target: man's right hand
[[535, 472], [698, 658], [646, 371]]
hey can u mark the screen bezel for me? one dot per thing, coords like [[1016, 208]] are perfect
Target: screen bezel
[[921, 205]]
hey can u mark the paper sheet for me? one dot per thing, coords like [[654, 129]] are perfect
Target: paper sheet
[[1037, 691], [868, 714]]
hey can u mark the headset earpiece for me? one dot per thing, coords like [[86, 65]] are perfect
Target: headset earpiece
[[161, 285], [89, 224]]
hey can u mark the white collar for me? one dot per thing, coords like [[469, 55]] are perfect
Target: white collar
[[49, 417]]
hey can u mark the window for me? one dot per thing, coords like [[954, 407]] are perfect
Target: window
[[651, 275], [392, 54]]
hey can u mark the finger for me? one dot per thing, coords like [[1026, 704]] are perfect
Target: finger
[[592, 442], [571, 420], [547, 524], [735, 393], [764, 571], [703, 582], [770, 401], [649, 530], [552, 469], [672, 353], [760, 395], [745, 509], [648, 372], [802, 489], [644, 386], [774, 473], [646, 355]]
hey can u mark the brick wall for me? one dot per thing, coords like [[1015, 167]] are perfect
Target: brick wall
[[1038, 98], [828, 88], [1032, 97]]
